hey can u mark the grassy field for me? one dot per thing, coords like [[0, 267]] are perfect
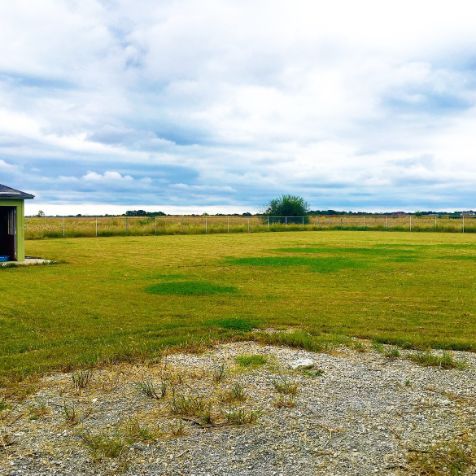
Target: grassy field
[[68, 227], [126, 297]]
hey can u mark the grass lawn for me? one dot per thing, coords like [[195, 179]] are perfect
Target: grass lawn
[[125, 297]]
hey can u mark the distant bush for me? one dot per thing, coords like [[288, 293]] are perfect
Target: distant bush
[[288, 206]]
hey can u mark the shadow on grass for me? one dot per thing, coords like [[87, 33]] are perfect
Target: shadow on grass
[[320, 265]]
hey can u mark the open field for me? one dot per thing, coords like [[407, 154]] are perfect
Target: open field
[[59, 227], [126, 297]]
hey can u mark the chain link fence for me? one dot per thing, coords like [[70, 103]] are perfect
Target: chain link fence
[[57, 227]]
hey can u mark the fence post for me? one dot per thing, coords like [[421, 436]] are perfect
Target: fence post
[[268, 222], [228, 224], [410, 223], [286, 220], [63, 227], [462, 213], [435, 222], [386, 222], [206, 224], [303, 220], [155, 225], [248, 225], [96, 227], [127, 225]]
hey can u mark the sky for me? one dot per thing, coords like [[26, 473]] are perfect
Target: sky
[[220, 106]]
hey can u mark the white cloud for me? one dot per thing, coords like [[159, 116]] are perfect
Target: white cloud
[[6, 166], [107, 176]]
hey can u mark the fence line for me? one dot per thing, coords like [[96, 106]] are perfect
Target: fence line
[[56, 227]]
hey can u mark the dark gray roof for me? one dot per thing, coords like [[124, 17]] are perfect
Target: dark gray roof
[[7, 193]]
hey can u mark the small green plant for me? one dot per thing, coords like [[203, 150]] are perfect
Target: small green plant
[[408, 383], [81, 379], [359, 346], [392, 354], [241, 416], [313, 372], [104, 446], [71, 415], [247, 361], [3, 405], [235, 394], [35, 412], [206, 415], [286, 387], [443, 361], [148, 388], [378, 347], [284, 401], [188, 405], [177, 428], [449, 458], [219, 373], [135, 431]]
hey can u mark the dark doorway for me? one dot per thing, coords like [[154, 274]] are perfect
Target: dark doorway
[[8, 225]]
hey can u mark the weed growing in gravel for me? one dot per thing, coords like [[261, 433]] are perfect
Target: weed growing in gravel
[[3, 405], [241, 416], [283, 401], [238, 392], [104, 446], [81, 379], [235, 394], [312, 372], [35, 412], [177, 428], [134, 431], [71, 415], [219, 373], [451, 458], [188, 405], [378, 347], [148, 388], [251, 360], [443, 361], [392, 354], [286, 387], [358, 346]]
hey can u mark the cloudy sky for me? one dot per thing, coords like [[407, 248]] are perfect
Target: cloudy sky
[[107, 105]]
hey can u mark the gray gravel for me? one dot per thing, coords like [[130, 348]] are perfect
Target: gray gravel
[[363, 415]]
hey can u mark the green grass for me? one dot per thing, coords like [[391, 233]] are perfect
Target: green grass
[[189, 288], [321, 265], [94, 307], [254, 360], [444, 361]]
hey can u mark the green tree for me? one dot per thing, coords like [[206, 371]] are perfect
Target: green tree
[[288, 206]]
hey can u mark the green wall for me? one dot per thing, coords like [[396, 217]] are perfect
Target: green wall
[[20, 244]]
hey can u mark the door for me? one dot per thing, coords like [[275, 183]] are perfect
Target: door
[[8, 232]]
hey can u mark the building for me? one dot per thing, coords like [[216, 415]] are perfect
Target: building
[[12, 223]]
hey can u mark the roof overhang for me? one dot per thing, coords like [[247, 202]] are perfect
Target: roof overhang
[[8, 193]]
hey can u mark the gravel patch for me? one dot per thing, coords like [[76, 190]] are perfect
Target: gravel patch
[[354, 413]]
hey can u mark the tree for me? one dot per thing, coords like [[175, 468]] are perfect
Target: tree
[[288, 206], [40, 213]]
